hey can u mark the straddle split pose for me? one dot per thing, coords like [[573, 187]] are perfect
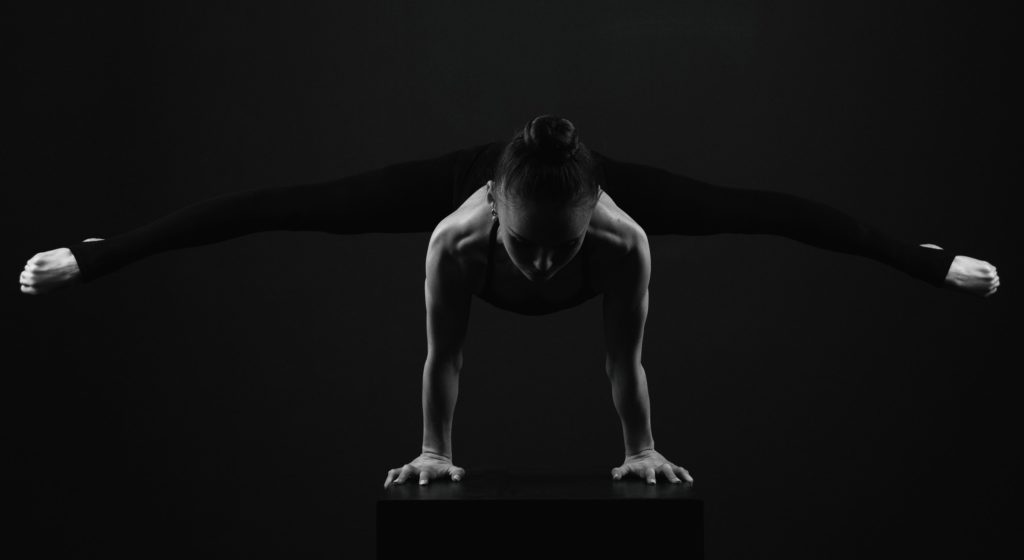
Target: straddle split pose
[[535, 224]]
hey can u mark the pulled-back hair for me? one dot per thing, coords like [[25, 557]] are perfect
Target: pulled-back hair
[[546, 161]]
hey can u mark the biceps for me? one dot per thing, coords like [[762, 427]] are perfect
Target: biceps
[[447, 299]]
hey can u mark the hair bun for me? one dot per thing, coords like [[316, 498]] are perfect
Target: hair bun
[[551, 138]]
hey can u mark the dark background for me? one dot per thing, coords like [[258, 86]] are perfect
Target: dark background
[[247, 398]]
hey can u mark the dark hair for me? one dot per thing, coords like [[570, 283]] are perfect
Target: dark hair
[[547, 161]]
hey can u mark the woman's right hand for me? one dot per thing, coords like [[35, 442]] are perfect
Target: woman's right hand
[[49, 270], [427, 466]]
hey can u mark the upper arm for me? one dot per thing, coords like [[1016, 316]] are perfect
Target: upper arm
[[447, 297], [625, 303]]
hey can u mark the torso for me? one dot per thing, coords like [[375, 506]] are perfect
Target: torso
[[611, 233]]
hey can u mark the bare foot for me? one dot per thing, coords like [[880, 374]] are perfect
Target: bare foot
[[971, 275], [50, 270]]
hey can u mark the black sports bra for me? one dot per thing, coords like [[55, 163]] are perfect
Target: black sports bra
[[536, 306]]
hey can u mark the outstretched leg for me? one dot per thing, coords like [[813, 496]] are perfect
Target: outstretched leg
[[404, 197], [663, 202]]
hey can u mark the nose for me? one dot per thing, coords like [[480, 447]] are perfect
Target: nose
[[543, 262]]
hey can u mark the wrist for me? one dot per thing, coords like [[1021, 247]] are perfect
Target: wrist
[[637, 440], [436, 453], [639, 451]]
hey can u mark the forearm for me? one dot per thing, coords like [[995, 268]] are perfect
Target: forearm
[[440, 392], [629, 392]]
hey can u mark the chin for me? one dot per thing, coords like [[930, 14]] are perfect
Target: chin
[[539, 279]]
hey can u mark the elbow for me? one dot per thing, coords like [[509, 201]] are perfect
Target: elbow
[[615, 367], [448, 363]]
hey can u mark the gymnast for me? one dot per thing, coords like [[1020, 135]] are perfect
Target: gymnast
[[533, 225]]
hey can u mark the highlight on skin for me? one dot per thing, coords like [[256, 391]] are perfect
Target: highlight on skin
[[541, 237], [544, 192]]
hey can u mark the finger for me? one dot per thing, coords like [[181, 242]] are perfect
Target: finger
[[391, 476], [404, 474], [685, 474], [618, 472], [424, 477], [649, 475], [666, 469], [457, 473]]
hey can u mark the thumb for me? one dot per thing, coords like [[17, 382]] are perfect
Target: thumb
[[456, 473], [618, 472]]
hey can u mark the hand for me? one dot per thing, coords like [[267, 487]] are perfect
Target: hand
[[647, 464], [971, 275], [50, 270], [426, 466]]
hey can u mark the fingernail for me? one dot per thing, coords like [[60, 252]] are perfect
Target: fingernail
[[456, 478]]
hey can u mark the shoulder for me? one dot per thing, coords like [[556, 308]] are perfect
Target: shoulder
[[456, 251], [617, 234], [624, 250], [632, 266]]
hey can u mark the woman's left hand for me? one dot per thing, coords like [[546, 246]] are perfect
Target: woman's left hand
[[647, 464]]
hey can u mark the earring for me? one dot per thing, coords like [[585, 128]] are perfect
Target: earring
[[494, 214]]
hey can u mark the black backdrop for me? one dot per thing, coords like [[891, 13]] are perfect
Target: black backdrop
[[248, 397]]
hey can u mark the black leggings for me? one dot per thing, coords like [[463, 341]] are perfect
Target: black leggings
[[414, 196]]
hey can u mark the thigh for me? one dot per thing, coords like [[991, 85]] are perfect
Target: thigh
[[661, 201]]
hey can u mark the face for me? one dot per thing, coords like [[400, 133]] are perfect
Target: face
[[540, 239]]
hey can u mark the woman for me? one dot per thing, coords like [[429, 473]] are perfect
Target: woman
[[571, 223]]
